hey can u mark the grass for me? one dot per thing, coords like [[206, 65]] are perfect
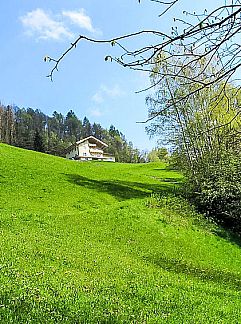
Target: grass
[[108, 243]]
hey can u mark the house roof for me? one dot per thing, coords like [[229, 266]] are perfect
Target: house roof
[[91, 139]]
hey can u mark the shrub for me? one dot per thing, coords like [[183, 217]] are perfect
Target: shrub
[[217, 191]]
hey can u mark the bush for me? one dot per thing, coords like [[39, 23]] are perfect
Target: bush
[[217, 191]]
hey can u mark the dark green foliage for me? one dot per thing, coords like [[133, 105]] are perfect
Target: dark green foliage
[[86, 128], [97, 131], [218, 191], [38, 143], [72, 127]]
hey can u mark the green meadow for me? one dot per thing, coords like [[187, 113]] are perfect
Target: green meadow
[[102, 242]]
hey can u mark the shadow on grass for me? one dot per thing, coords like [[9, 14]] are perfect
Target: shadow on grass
[[172, 180], [121, 190], [124, 190], [225, 278], [161, 169], [228, 235]]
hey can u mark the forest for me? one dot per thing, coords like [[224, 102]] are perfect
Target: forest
[[32, 129]]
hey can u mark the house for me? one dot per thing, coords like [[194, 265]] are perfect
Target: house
[[88, 149]]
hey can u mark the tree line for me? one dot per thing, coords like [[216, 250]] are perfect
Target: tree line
[[32, 129]]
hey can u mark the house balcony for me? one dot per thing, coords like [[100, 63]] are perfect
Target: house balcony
[[96, 151]]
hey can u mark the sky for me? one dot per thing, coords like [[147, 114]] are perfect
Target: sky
[[103, 91]]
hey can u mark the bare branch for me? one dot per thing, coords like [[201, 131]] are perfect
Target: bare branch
[[215, 37]]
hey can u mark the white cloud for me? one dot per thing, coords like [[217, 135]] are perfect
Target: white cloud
[[80, 18], [43, 25], [40, 24], [107, 92]]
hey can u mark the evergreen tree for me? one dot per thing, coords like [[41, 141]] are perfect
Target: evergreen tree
[[72, 127], [38, 143], [97, 131], [86, 129]]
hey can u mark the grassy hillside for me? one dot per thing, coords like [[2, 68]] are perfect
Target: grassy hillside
[[90, 243]]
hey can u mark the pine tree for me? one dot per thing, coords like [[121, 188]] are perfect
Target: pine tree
[[38, 142]]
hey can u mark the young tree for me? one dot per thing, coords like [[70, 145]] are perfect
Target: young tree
[[205, 134], [153, 156], [158, 154], [162, 153]]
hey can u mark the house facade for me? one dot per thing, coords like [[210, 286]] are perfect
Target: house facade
[[88, 149]]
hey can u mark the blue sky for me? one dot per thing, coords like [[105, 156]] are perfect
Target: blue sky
[[85, 83]]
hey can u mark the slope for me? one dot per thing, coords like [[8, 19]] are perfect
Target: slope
[[90, 243]]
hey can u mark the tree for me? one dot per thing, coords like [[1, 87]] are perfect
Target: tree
[[86, 129], [157, 154], [7, 124], [205, 134], [73, 127], [56, 124], [97, 131], [153, 156], [38, 142], [162, 153]]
